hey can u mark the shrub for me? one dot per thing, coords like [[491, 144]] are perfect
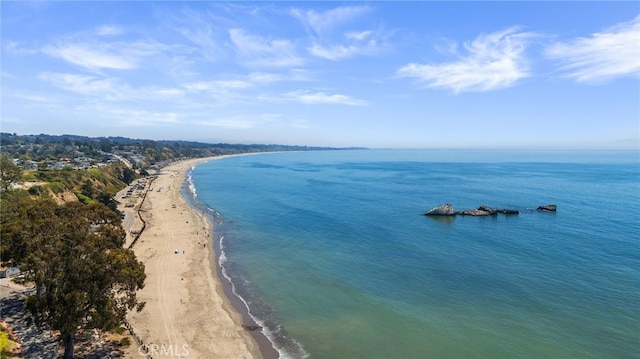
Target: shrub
[[84, 199], [125, 342], [118, 330], [56, 187], [38, 190]]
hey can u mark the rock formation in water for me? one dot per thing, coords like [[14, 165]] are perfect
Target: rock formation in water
[[476, 212], [548, 208], [443, 210], [487, 211], [447, 210]]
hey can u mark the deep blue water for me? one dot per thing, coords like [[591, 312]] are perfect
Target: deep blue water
[[332, 253]]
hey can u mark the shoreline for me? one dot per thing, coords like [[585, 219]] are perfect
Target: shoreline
[[265, 346], [191, 311]]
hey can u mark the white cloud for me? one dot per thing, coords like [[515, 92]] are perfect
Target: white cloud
[[217, 86], [355, 43], [492, 61], [15, 48], [146, 118], [132, 117], [23, 95], [231, 123], [323, 98], [169, 92], [204, 38], [359, 36], [108, 88], [89, 57], [261, 51], [97, 55], [338, 52], [605, 55], [109, 30], [251, 121], [332, 45], [82, 84], [322, 21]]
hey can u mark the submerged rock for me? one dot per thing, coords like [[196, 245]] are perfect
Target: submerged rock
[[548, 208], [476, 212], [443, 210], [492, 211]]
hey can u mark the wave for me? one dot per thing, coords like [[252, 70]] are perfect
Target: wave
[[260, 311], [223, 256], [192, 187]]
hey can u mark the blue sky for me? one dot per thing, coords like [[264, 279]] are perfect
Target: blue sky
[[376, 74]]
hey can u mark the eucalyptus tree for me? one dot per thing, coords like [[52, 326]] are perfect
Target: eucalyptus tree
[[74, 254]]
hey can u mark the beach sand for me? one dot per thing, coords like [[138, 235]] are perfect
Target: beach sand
[[187, 314]]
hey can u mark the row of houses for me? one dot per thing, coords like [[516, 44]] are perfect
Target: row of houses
[[77, 163]]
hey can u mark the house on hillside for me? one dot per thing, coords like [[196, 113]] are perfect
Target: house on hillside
[[9, 272]]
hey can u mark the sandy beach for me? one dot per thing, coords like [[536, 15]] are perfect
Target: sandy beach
[[187, 314]]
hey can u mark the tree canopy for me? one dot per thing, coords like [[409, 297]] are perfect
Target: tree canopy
[[74, 254], [9, 173]]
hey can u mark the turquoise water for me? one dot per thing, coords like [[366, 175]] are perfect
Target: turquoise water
[[333, 255]]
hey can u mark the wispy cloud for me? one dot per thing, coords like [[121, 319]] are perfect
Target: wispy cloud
[[217, 86], [323, 21], [355, 43], [323, 98], [491, 61], [126, 116], [204, 38], [82, 84], [262, 51], [15, 48], [146, 118], [252, 79], [102, 55], [236, 123], [90, 57], [249, 121], [331, 43], [109, 30], [109, 89], [31, 97], [614, 52]]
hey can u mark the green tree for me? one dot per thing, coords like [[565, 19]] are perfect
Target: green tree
[[87, 189], [73, 253], [107, 199], [105, 145], [128, 175], [9, 173]]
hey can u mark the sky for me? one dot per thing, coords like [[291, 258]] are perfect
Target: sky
[[417, 74]]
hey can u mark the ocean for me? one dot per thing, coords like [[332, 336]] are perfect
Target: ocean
[[333, 255]]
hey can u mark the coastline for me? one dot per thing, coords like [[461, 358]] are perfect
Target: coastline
[[190, 311]]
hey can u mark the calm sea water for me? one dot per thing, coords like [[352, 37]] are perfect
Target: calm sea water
[[333, 255]]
